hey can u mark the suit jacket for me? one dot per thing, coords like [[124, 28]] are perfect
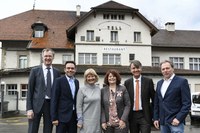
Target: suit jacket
[[122, 102], [147, 94], [37, 88], [62, 101], [176, 102]]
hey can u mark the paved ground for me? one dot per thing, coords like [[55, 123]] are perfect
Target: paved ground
[[20, 125]]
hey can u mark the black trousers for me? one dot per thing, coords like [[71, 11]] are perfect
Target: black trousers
[[34, 123], [138, 123], [69, 127]]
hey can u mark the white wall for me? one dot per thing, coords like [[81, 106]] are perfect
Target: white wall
[[100, 27], [142, 53], [186, 55]]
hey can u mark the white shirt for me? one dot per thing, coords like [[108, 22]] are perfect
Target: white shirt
[[165, 85]]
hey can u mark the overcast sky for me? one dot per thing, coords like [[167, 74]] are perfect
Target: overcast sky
[[185, 13]]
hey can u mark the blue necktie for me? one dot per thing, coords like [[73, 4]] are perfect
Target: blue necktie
[[48, 91], [72, 86]]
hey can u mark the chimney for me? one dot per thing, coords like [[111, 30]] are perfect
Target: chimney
[[170, 26], [78, 7]]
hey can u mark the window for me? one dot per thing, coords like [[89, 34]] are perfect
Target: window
[[197, 87], [90, 35], [156, 61], [87, 58], [114, 16], [111, 59], [178, 62], [97, 38], [82, 38], [114, 36], [121, 17], [11, 89], [106, 16], [194, 63], [24, 88], [131, 57], [39, 33], [137, 36], [66, 58], [23, 61], [39, 29]]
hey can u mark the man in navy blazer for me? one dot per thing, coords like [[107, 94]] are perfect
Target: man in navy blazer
[[38, 96], [140, 120], [172, 101], [63, 103]]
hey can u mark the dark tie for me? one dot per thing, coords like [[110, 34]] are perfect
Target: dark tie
[[48, 92]]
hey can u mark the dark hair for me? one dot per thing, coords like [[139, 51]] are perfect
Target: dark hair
[[70, 62], [136, 63], [114, 73], [167, 61]]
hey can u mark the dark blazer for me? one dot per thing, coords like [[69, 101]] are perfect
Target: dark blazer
[[147, 94], [176, 102], [37, 88], [122, 101], [62, 101]]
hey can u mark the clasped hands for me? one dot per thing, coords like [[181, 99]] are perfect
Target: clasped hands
[[122, 125]]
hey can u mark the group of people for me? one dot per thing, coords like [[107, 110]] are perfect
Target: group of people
[[132, 106]]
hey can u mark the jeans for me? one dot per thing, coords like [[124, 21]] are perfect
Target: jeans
[[168, 128]]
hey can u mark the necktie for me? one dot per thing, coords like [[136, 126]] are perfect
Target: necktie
[[48, 92], [72, 86], [137, 95]]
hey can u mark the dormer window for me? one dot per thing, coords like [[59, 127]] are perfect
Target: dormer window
[[39, 33], [39, 29]]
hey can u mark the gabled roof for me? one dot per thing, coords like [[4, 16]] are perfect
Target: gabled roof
[[113, 6], [177, 38], [18, 27]]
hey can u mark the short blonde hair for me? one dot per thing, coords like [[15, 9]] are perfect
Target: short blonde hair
[[92, 72]]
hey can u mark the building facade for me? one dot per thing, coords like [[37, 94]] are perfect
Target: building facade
[[109, 36]]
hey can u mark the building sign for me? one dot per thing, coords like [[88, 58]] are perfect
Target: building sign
[[114, 49]]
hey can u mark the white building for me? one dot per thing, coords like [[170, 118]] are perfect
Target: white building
[[108, 36]]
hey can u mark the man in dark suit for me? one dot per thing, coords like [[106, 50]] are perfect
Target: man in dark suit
[[172, 101], [141, 94], [63, 103], [39, 95]]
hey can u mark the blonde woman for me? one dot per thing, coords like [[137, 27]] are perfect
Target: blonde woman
[[88, 104]]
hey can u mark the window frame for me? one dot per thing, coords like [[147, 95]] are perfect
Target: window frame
[[177, 62], [11, 89], [114, 36], [87, 58], [90, 35], [155, 61], [23, 61], [23, 90], [111, 59], [194, 65], [137, 36]]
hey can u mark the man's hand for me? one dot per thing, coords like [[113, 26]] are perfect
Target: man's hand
[[175, 122], [156, 124], [30, 114], [55, 122]]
